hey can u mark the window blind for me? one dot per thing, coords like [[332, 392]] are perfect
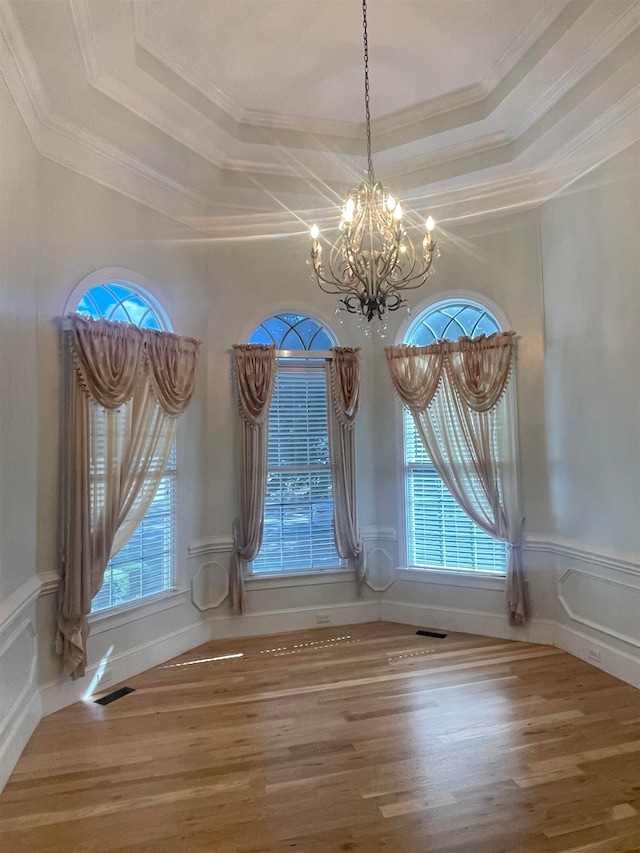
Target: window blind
[[144, 565], [298, 517], [439, 533]]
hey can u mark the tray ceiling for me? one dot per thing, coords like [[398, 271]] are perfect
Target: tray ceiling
[[247, 116]]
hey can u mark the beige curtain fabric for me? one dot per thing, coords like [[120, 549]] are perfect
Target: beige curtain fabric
[[467, 427], [343, 395], [255, 370], [121, 433]]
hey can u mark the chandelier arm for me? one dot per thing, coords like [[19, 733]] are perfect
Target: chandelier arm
[[352, 267], [334, 283]]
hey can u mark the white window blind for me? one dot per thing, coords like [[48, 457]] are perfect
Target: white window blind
[[439, 533], [143, 566], [298, 517]]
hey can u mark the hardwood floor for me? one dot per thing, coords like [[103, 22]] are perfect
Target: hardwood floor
[[366, 738]]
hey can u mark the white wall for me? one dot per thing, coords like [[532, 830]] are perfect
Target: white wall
[[591, 263]]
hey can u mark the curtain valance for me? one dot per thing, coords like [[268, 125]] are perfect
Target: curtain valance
[[478, 369], [112, 358]]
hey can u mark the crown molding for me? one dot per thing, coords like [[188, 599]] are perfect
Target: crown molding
[[516, 52], [20, 71], [608, 40], [163, 52]]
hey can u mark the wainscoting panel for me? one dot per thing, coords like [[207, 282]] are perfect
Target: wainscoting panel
[[608, 601], [20, 708]]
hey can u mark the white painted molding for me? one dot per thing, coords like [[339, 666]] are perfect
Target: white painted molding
[[517, 51], [286, 581], [616, 662], [440, 577], [50, 583], [25, 627], [209, 586], [21, 711], [634, 586], [210, 545], [294, 619], [116, 617], [571, 550], [466, 621], [599, 48], [17, 736], [380, 570], [378, 533], [63, 691], [13, 606]]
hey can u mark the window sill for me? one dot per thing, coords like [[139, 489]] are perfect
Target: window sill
[[122, 614], [282, 580], [451, 577]]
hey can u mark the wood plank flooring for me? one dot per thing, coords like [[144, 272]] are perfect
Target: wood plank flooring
[[366, 738]]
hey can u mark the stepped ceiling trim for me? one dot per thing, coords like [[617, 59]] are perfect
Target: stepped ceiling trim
[[563, 97]]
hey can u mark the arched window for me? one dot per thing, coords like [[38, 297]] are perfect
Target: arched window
[[298, 530], [145, 564], [439, 534]]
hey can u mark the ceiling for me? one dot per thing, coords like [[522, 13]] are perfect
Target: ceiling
[[247, 116]]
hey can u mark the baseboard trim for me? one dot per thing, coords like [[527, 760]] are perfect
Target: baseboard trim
[[62, 692], [467, 621], [17, 735], [614, 661], [297, 619]]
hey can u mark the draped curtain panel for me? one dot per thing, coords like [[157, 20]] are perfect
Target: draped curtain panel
[[128, 386], [458, 393], [255, 371], [343, 393]]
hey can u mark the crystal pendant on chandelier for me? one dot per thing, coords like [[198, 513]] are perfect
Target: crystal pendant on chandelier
[[372, 260]]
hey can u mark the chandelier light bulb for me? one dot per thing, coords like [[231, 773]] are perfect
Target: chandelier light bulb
[[397, 212], [391, 203], [315, 232], [349, 209], [430, 224]]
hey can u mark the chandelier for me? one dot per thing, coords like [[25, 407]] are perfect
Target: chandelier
[[372, 260]]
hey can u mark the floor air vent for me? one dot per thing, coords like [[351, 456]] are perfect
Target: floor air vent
[[111, 697], [431, 634]]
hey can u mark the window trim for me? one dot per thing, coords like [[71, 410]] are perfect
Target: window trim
[[439, 574]]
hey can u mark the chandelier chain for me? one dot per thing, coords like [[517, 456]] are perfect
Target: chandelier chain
[[366, 91]]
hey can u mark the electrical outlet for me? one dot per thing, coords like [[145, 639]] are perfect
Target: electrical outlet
[[593, 655], [323, 618]]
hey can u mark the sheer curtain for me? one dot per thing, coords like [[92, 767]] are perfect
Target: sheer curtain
[[255, 368], [343, 392], [459, 394], [128, 385]]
